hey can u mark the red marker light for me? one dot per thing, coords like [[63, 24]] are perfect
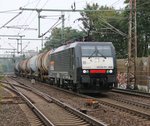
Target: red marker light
[[97, 71]]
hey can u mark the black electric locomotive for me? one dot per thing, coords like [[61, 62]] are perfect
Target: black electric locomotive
[[84, 66]]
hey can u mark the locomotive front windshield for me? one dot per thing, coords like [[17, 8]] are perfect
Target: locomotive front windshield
[[93, 51]]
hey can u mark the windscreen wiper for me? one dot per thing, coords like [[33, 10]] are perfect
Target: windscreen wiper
[[97, 51], [92, 54], [101, 54]]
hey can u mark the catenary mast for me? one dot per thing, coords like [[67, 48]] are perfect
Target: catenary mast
[[132, 45]]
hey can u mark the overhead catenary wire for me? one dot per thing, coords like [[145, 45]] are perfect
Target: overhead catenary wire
[[116, 2], [26, 46], [112, 28], [29, 17], [33, 17], [108, 28], [28, 3], [117, 30], [45, 3], [109, 24], [74, 10]]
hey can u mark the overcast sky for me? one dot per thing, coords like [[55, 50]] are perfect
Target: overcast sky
[[28, 19]]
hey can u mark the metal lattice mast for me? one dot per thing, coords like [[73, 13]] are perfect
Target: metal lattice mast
[[132, 45]]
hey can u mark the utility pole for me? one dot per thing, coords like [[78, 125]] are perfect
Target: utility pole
[[39, 28], [17, 45], [21, 44], [132, 46]]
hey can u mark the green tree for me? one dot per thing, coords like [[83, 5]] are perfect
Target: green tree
[[105, 26], [55, 39], [143, 26]]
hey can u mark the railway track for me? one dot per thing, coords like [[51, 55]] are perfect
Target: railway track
[[132, 92], [54, 111], [130, 108], [16, 99], [139, 109], [126, 107], [129, 101]]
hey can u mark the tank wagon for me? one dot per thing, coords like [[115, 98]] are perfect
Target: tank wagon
[[16, 68], [43, 64], [34, 67], [87, 67], [84, 66], [21, 68]]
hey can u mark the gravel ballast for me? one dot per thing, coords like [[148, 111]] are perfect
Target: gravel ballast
[[11, 114]]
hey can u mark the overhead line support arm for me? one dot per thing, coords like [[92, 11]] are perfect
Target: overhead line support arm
[[64, 10]]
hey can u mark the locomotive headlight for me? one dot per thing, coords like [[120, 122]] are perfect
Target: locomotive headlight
[[85, 71], [109, 71]]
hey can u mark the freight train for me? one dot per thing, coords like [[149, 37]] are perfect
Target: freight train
[[86, 67]]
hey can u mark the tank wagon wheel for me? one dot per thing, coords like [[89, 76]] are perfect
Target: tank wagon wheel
[[51, 81], [42, 79], [78, 86], [62, 83], [58, 82]]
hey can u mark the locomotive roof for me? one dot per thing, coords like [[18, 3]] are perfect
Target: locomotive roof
[[72, 45]]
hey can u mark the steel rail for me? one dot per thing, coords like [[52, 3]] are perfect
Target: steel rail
[[131, 92], [43, 118], [89, 119]]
